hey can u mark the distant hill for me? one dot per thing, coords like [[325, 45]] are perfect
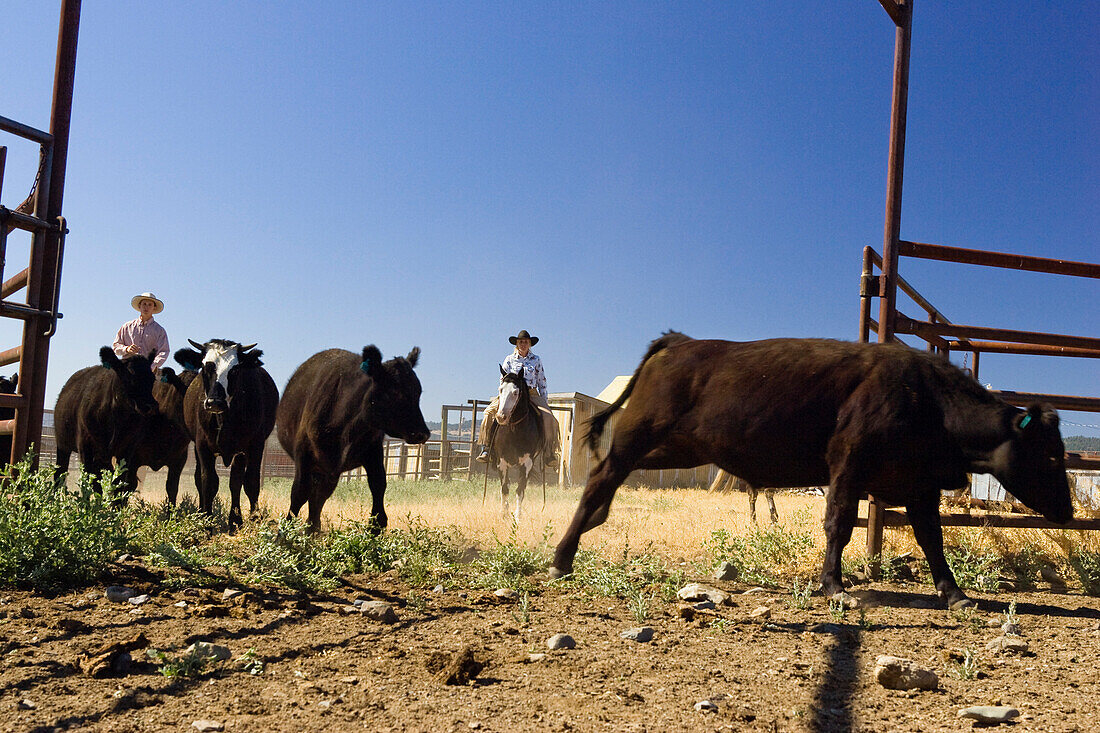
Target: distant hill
[[1078, 443]]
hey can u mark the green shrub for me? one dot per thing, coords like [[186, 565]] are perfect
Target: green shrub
[[763, 555], [973, 567], [509, 564], [51, 536], [1086, 564]]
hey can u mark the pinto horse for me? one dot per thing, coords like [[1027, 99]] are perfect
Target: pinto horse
[[518, 438]]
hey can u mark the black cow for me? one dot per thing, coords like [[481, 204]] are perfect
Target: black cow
[[229, 412], [336, 409], [888, 420], [166, 437], [8, 385], [102, 412]]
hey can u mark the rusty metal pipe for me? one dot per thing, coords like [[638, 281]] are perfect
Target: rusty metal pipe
[[984, 258], [14, 284], [25, 131], [930, 330], [994, 347], [12, 355], [1060, 402]]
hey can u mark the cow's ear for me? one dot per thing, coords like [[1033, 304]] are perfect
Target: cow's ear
[[15, 380], [372, 361], [1030, 419], [107, 358], [414, 356], [167, 375], [189, 359], [252, 358]]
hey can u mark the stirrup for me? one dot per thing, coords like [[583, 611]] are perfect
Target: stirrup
[[483, 456]]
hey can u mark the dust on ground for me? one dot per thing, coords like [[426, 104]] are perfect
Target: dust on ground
[[311, 664]]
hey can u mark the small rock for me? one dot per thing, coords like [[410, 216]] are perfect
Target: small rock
[[506, 594], [753, 591], [1008, 644], [896, 673], [206, 726], [230, 593], [726, 571], [1050, 574], [706, 706], [847, 600], [859, 577], [206, 650], [26, 704], [437, 589], [348, 610], [993, 623], [699, 592], [119, 593], [1011, 629], [379, 611], [138, 600], [989, 714], [536, 657], [761, 612], [561, 641], [180, 604], [125, 557], [641, 634]]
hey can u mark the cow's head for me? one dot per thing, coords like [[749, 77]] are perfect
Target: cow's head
[[513, 394], [135, 376], [394, 395], [1031, 463], [219, 361], [9, 384]]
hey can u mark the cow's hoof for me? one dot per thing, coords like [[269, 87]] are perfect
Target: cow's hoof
[[961, 603], [846, 600], [556, 573]]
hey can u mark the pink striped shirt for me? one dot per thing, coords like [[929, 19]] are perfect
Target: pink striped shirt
[[146, 336]]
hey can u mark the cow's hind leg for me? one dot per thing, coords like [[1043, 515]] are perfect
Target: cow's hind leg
[[253, 477], [172, 482], [924, 516], [752, 492], [841, 509], [769, 494], [301, 486], [593, 509]]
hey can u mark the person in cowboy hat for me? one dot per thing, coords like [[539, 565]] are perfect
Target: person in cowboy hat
[[143, 334], [536, 379]]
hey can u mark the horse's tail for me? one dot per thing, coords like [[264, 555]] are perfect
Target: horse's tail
[[597, 422]]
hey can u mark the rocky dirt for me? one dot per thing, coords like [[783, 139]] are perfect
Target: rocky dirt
[[461, 660]]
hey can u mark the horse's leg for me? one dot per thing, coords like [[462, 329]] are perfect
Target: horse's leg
[[503, 468], [751, 490], [769, 494], [526, 464]]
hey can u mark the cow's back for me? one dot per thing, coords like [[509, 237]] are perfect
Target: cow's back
[[769, 408], [319, 395]]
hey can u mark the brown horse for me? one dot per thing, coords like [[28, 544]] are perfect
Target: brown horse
[[518, 438]]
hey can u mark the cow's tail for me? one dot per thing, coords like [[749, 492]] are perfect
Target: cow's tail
[[598, 422]]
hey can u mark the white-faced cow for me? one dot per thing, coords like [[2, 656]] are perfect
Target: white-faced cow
[[229, 411], [336, 409], [887, 420], [166, 436], [102, 412]]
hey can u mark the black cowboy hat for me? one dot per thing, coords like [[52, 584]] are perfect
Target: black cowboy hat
[[523, 335]]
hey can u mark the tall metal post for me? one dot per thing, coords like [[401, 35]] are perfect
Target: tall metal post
[[44, 271], [901, 12]]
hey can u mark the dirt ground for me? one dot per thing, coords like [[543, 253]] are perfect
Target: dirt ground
[[326, 669]]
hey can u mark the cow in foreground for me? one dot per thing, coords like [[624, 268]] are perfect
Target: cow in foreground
[[102, 412], [229, 411], [166, 438], [881, 419], [336, 409]]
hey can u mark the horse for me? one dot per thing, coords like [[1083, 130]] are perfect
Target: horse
[[728, 482], [517, 439]]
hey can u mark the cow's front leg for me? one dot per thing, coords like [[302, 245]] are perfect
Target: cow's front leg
[[172, 483], [924, 516], [208, 489], [253, 478], [752, 504], [375, 465], [236, 481], [769, 494]]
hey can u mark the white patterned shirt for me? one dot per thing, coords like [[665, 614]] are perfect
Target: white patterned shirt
[[532, 370]]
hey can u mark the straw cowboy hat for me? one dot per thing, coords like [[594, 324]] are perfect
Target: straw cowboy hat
[[158, 304], [523, 335]]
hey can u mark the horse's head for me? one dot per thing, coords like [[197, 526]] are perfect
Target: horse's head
[[513, 397]]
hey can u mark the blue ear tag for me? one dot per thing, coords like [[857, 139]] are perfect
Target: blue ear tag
[[1025, 421], [104, 365], [164, 379], [365, 366]]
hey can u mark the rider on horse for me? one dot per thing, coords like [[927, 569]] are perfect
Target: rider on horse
[[531, 364]]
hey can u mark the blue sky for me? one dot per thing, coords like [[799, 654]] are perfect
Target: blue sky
[[325, 174]]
